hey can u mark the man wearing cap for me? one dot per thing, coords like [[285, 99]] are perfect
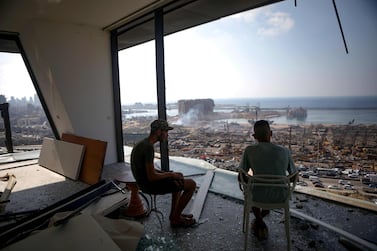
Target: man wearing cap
[[262, 158], [154, 181]]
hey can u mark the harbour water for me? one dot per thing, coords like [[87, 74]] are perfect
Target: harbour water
[[320, 110], [336, 117], [344, 102]]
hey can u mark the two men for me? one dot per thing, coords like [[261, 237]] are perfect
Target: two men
[[262, 158], [265, 158], [154, 181]]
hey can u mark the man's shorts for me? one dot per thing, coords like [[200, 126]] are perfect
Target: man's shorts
[[164, 186]]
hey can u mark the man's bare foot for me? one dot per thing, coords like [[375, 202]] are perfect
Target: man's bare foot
[[182, 222], [189, 216]]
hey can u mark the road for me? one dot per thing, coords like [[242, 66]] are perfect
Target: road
[[356, 183]]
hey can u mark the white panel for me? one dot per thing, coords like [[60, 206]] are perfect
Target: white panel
[[80, 233], [62, 157]]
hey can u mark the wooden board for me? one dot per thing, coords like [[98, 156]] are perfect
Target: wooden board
[[94, 157], [201, 195], [62, 157]]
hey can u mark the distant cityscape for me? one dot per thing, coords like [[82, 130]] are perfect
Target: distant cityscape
[[29, 124]]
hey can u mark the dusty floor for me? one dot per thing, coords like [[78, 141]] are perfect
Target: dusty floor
[[222, 218], [222, 230], [222, 223]]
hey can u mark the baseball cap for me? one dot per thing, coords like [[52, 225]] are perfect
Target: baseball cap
[[161, 124]]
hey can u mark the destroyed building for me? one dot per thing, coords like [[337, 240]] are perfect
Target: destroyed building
[[201, 107], [296, 113]]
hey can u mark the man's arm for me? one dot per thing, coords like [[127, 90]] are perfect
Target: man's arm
[[155, 174], [293, 177], [245, 167], [292, 170]]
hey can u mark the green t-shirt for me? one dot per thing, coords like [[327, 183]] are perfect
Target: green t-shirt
[[268, 158]]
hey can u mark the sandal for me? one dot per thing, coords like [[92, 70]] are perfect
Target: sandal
[[260, 230], [183, 222], [187, 216]]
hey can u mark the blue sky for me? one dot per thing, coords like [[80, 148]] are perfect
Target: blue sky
[[276, 51]]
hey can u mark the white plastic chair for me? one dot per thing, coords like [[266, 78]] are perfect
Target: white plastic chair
[[269, 186]]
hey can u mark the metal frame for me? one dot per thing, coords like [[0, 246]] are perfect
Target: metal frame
[[16, 39]]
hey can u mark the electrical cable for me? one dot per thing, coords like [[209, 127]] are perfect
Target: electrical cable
[[340, 25]]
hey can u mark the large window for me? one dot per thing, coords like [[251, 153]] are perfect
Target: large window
[[280, 63], [23, 123], [138, 91]]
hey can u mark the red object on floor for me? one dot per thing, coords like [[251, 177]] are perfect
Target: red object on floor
[[136, 206]]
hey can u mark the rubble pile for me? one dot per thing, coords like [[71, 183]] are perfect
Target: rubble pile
[[221, 143]]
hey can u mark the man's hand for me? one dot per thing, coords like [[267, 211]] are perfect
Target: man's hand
[[177, 175], [293, 177], [244, 178]]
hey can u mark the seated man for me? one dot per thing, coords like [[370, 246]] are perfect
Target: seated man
[[154, 181], [265, 158]]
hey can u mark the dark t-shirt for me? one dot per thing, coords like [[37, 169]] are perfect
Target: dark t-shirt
[[142, 153]]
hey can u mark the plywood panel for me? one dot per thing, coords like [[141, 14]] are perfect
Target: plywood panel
[[62, 157], [201, 195], [94, 157]]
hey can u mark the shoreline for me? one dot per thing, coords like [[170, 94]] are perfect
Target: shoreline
[[335, 116]]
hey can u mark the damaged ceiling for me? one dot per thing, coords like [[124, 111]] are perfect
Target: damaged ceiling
[[134, 17]]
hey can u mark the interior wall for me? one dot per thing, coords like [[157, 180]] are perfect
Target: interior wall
[[72, 64]]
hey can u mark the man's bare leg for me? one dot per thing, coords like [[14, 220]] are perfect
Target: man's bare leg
[[258, 214], [188, 191], [259, 227], [174, 202], [178, 204]]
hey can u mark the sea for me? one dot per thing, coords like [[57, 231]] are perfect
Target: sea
[[320, 110]]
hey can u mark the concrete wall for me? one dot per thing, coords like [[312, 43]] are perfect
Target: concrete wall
[[72, 64], [68, 47]]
